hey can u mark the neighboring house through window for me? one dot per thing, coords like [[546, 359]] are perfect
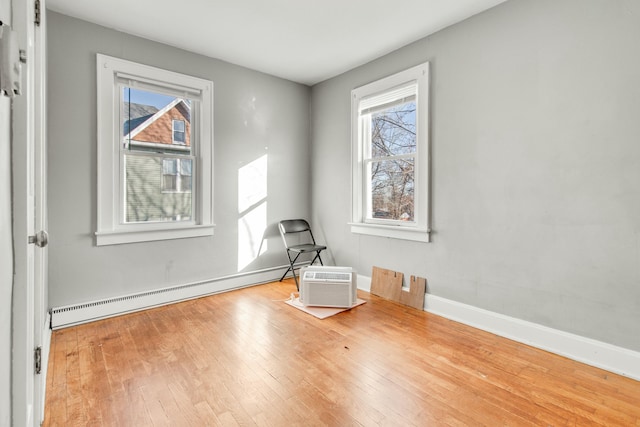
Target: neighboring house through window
[[390, 129], [148, 185]]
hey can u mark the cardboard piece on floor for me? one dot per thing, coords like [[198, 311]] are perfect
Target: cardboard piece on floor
[[414, 297], [388, 284], [320, 312]]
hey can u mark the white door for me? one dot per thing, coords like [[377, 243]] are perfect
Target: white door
[[6, 245], [42, 330], [29, 219]]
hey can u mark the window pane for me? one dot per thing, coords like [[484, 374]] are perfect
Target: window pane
[[393, 130], [392, 189], [185, 183], [178, 137], [178, 125], [153, 121], [185, 166], [152, 195], [169, 182], [170, 166]]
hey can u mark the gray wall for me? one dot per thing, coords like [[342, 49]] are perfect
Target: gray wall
[[535, 165], [254, 115]]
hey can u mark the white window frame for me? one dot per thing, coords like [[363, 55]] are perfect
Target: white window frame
[[111, 228], [383, 91]]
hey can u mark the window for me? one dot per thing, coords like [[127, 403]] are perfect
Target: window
[[178, 132], [155, 148], [176, 175], [390, 156]]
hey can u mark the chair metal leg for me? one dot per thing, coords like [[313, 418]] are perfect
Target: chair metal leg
[[292, 269], [317, 257], [285, 273], [296, 280]]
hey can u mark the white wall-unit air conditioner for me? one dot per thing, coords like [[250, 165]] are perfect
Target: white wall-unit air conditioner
[[328, 286]]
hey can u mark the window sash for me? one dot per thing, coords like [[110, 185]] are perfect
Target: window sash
[[129, 144], [169, 180], [367, 107]]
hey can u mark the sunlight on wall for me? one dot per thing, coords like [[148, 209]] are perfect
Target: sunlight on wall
[[252, 210]]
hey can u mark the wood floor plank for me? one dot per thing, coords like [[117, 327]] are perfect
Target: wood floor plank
[[56, 407], [245, 358]]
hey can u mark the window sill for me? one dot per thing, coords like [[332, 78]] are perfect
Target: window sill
[[104, 238], [391, 231]]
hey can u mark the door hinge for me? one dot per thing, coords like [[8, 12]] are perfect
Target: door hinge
[[37, 360], [37, 13]]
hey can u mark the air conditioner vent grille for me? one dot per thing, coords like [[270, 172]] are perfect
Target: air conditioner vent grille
[[327, 275]]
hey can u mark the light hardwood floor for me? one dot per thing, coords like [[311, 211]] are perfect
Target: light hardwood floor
[[246, 358]]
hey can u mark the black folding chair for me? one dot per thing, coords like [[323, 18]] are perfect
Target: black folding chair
[[300, 231]]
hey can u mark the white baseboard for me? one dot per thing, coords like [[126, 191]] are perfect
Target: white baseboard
[[585, 350], [70, 315]]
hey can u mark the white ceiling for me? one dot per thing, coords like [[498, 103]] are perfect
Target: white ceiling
[[306, 41]]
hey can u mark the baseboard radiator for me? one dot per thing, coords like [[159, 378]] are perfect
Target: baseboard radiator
[[76, 314]]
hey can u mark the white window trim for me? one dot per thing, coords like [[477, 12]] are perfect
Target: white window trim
[[418, 230], [111, 230]]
